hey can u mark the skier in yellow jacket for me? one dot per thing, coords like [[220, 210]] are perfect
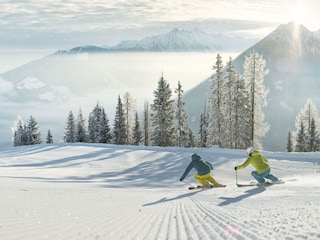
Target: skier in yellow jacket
[[260, 163]]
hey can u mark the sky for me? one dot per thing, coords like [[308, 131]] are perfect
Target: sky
[[60, 24]]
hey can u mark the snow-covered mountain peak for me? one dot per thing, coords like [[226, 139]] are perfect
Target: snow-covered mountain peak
[[296, 37], [176, 40]]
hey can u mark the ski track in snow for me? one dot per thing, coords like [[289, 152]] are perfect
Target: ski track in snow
[[64, 193]]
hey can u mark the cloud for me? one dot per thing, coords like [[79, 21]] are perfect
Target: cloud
[[30, 83], [77, 22]]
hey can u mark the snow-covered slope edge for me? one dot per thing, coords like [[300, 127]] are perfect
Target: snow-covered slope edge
[[82, 191]]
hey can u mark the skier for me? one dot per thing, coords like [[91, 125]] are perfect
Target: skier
[[260, 163], [203, 172]]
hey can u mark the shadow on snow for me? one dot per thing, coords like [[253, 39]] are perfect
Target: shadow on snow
[[247, 194]]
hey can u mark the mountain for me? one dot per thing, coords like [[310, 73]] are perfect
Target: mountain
[[181, 41], [80, 77], [177, 40], [292, 55]]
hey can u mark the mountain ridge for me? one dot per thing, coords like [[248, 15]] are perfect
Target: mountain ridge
[[176, 40]]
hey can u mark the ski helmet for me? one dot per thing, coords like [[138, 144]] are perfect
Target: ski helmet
[[250, 150], [195, 156]]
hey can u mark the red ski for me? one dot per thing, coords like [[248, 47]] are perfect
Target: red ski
[[211, 186]]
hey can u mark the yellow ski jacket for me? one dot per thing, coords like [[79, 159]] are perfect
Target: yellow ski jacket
[[258, 161]]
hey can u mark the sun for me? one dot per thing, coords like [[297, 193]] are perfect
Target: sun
[[298, 15]]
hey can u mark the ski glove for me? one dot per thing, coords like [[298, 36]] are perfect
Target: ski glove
[[181, 179], [235, 168]]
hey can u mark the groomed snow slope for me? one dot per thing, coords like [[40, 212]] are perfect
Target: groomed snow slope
[[82, 191]]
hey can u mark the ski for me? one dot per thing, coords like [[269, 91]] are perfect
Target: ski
[[211, 186], [246, 184], [256, 184], [195, 187]]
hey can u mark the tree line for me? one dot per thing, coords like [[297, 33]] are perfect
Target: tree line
[[306, 136], [232, 117]]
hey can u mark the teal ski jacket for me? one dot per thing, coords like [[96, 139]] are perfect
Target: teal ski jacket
[[202, 167]]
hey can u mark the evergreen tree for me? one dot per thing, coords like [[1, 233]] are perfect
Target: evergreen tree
[[146, 124], [49, 139], [129, 106], [301, 139], [202, 133], [137, 134], [308, 117], [254, 72], [81, 134], [104, 130], [99, 130], [313, 138], [289, 142], [69, 134], [240, 113], [182, 125], [215, 104], [203, 128], [192, 141], [32, 132], [19, 133], [228, 107], [162, 115], [119, 126]]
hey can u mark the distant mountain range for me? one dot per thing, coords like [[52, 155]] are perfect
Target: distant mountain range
[[292, 55], [177, 40]]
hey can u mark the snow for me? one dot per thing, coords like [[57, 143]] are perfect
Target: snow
[[83, 191]]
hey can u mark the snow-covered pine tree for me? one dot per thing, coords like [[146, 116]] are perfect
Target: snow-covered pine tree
[[49, 139], [69, 134], [192, 139], [182, 129], [301, 139], [215, 103], [202, 133], [94, 121], [240, 114], [146, 124], [313, 139], [228, 107], [137, 134], [309, 118], [162, 115], [289, 145], [81, 134], [32, 132], [254, 72], [119, 126], [129, 106], [305, 116], [104, 129], [19, 132]]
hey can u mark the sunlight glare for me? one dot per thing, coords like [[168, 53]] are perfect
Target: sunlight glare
[[298, 16]]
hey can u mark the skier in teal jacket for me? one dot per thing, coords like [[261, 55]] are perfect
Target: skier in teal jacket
[[203, 171]]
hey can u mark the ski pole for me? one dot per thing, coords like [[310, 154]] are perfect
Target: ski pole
[[236, 177], [188, 183]]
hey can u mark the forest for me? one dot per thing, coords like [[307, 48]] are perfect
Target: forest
[[232, 117]]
